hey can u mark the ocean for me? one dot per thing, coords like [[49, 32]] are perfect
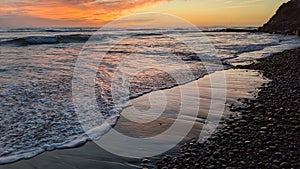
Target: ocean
[[37, 75]]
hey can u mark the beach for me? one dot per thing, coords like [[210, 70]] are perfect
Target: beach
[[258, 130], [181, 95], [264, 135], [241, 84], [44, 80], [159, 84]]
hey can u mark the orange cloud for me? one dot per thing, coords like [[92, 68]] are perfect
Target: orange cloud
[[84, 11], [245, 4]]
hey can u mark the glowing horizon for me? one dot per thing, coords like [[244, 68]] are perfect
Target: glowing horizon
[[94, 13]]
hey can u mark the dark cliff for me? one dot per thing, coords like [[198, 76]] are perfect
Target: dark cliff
[[286, 20]]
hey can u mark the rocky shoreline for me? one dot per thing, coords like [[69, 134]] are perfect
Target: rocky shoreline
[[264, 135]]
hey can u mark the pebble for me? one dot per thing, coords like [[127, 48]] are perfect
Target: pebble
[[284, 164]]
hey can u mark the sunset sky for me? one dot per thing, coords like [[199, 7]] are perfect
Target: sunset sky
[[93, 13]]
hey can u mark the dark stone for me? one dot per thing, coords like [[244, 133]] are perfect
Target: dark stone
[[211, 167], [217, 155], [284, 165]]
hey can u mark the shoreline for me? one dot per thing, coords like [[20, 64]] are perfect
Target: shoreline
[[131, 98], [93, 156], [264, 134]]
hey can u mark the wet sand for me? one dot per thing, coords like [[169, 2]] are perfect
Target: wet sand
[[240, 84]]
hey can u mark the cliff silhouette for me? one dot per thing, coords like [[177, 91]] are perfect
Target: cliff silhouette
[[286, 20]]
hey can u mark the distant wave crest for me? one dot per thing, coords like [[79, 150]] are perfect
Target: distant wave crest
[[39, 40]]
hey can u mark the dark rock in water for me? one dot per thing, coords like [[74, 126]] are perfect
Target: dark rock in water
[[251, 30], [3, 70], [286, 20]]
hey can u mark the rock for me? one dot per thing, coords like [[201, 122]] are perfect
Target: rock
[[274, 166], [211, 167], [278, 154], [284, 165], [217, 154], [146, 160], [286, 20], [262, 152], [276, 161], [263, 128]]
